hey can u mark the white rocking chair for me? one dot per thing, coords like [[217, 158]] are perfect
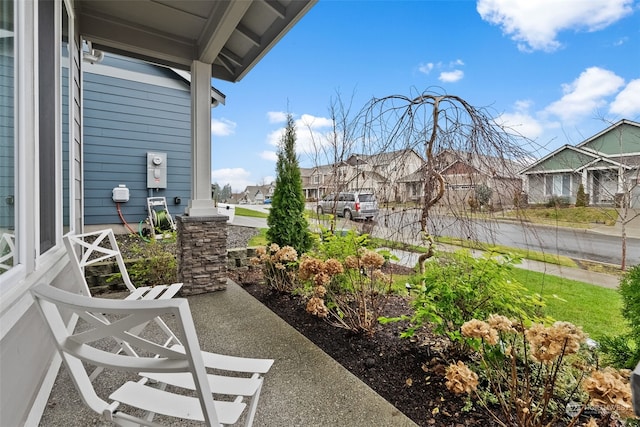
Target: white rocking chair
[[181, 368], [99, 246]]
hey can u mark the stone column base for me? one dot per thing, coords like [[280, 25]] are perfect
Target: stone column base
[[202, 253]]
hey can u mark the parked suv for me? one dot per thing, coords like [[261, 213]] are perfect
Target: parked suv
[[351, 205]]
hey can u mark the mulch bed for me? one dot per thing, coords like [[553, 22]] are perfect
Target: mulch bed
[[407, 373]]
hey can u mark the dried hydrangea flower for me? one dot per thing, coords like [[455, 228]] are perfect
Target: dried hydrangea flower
[[609, 387], [316, 307], [570, 333], [309, 267], [372, 259], [321, 279], [379, 276], [274, 247], [332, 267], [461, 379], [548, 343], [500, 323], [287, 254], [319, 291], [261, 250], [352, 262], [478, 329]]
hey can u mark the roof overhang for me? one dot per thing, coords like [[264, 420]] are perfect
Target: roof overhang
[[232, 36]]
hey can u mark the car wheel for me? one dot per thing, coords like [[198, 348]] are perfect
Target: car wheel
[[320, 211], [347, 214]]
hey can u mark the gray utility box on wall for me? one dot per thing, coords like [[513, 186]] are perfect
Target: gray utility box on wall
[[156, 170]]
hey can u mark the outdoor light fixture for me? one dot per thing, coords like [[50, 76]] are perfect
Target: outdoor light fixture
[[92, 55]]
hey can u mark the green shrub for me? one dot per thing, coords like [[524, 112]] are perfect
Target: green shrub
[[623, 351], [154, 264], [581, 197], [619, 351], [557, 202], [483, 194], [456, 287]]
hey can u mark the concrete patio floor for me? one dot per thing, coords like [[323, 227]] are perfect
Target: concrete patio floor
[[305, 387]]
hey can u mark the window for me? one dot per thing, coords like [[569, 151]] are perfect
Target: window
[[8, 193], [47, 119], [65, 85], [558, 185]]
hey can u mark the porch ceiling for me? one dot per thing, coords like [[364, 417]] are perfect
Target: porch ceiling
[[231, 35]]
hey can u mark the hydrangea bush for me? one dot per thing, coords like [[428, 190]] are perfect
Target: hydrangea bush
[[533, 373], [348, 294], [279, 266]]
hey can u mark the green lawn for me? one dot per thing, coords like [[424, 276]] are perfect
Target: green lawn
[[567, 217], [240, 211], [260, 239], [594, 308]]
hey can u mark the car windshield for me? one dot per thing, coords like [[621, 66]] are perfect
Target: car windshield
[[367, 198]]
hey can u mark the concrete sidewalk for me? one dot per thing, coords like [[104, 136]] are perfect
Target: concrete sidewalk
[[305, 387]]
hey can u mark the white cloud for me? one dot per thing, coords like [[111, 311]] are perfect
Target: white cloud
[[238, 178], [313, 122], [222, 127], [426, 68], [627, 102], [311, 131], [269, 155], [451, 76], [274, 137], [535, 24], [277, 116], [522, 123], [585, 94]]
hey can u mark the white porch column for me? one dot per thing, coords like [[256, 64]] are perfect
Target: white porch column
[[201, 203], [621, 184]]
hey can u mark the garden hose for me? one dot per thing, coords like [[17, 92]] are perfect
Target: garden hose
[[141, 232], [162, 220]]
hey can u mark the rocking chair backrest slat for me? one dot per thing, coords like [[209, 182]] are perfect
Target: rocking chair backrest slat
[[93, 247]]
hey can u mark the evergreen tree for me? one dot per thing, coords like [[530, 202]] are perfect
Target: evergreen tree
[[581, 197], [287, 223], [225, 193]]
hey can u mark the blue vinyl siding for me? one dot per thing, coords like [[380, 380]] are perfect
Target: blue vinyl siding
[[123, 120]]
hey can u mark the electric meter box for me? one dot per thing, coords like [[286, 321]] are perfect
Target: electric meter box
[[120, 194], [156, 170]]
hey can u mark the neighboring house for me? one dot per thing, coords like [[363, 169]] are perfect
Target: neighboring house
[[380, 173], [464, 173], [606, 164], [317, 181], [43, 119], [256, 194], [132, 108]]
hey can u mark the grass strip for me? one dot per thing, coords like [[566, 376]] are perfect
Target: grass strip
[[596, 309]]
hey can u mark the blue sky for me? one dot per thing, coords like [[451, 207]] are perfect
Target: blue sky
[[551, 69]]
